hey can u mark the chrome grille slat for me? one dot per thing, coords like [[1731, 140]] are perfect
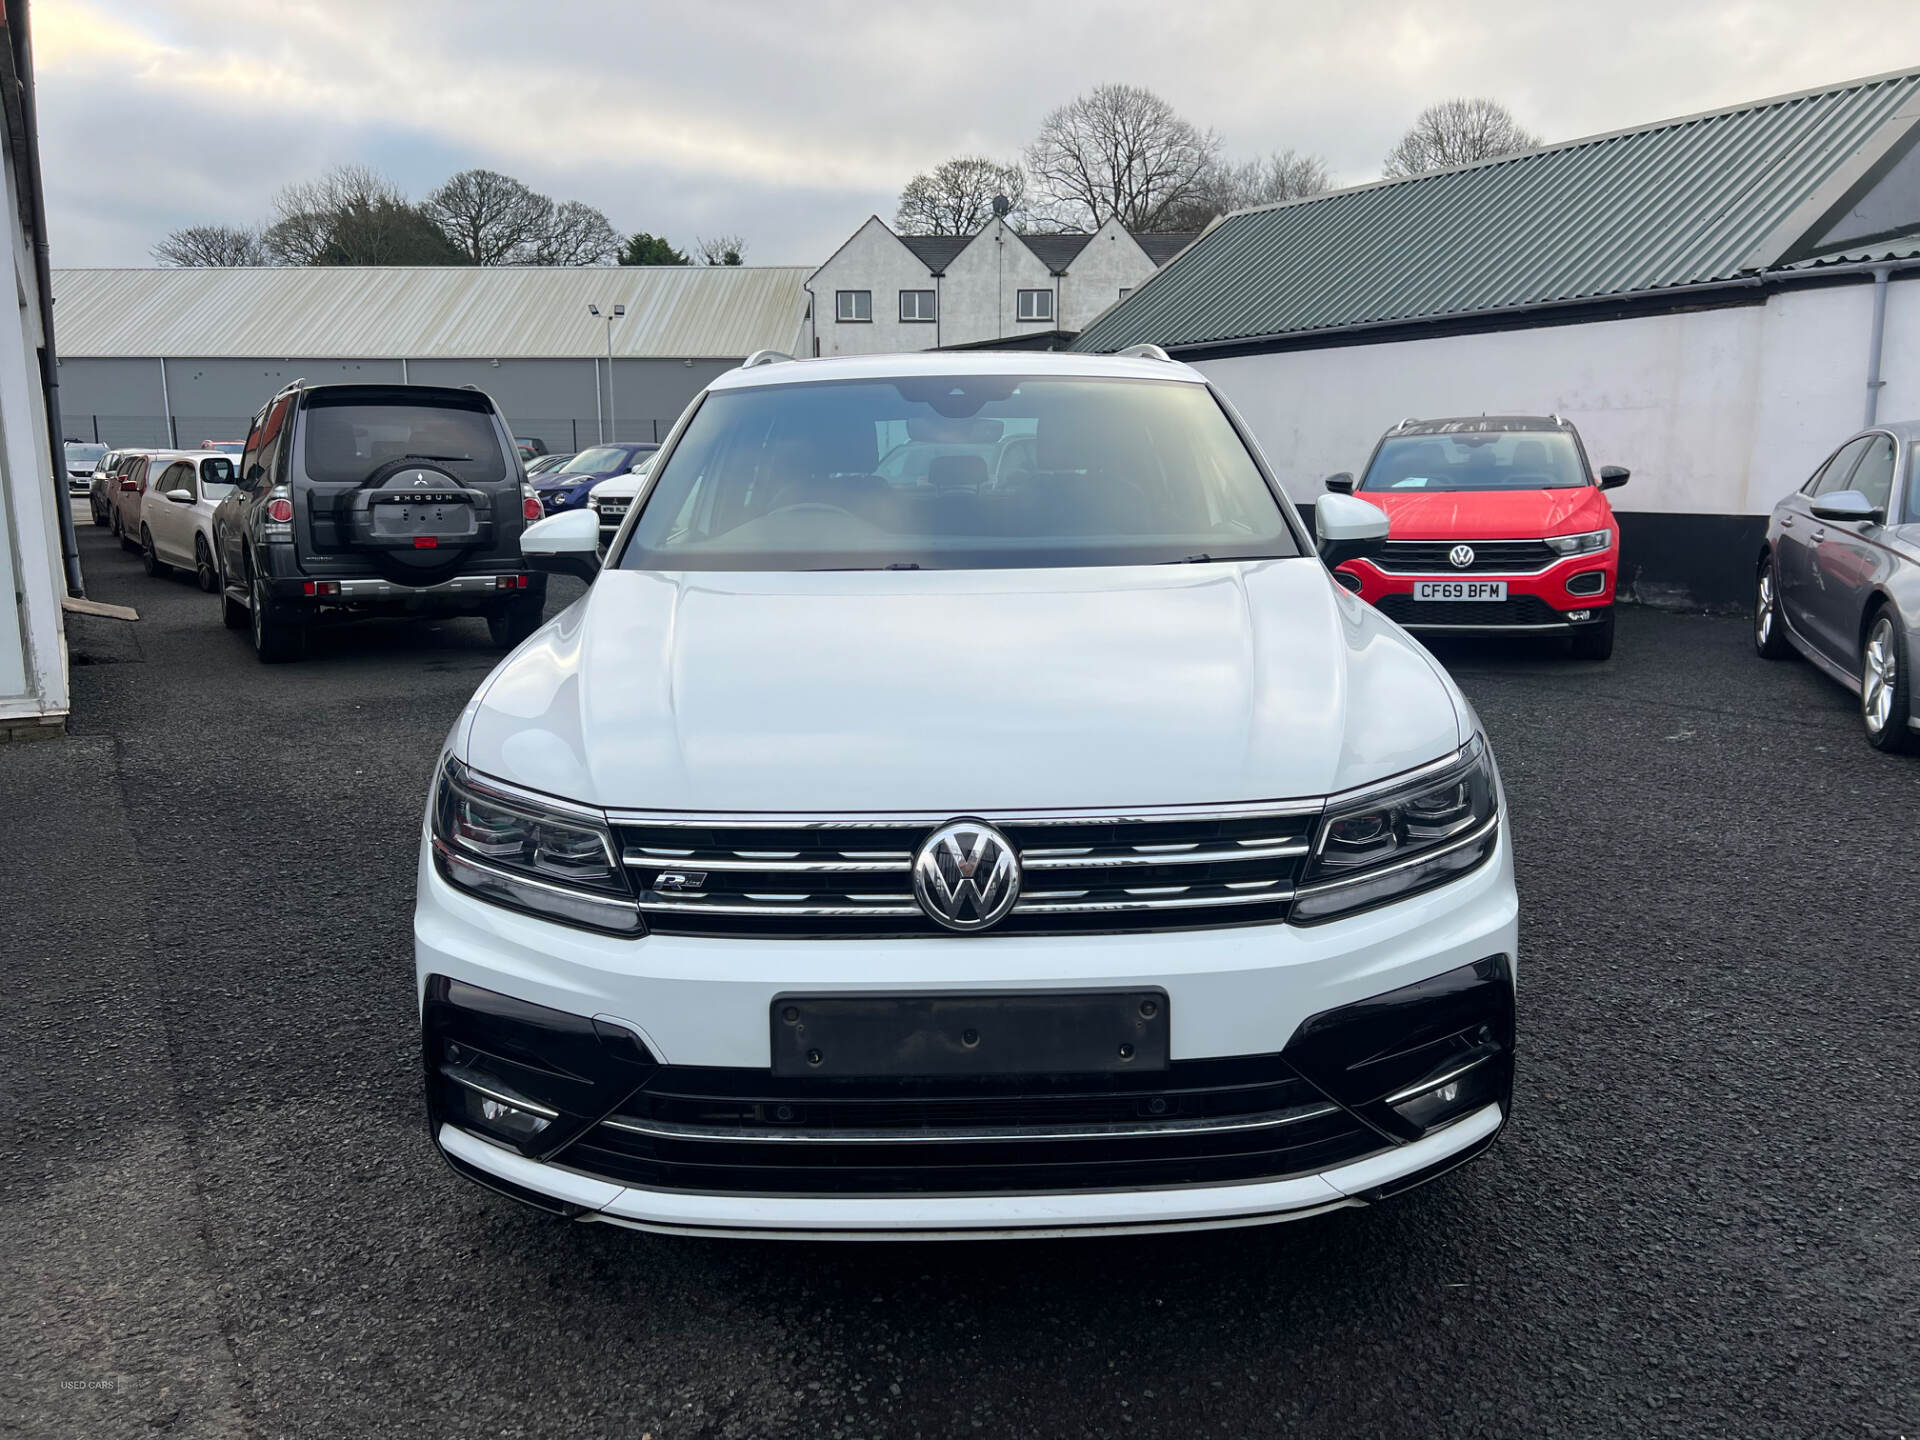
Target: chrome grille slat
[[921, 1135], [809, 876]]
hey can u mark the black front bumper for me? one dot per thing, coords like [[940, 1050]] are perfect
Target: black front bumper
[[1352, 1082]]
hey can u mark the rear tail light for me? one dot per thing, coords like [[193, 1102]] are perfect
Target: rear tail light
[[280, 510], [319, 588], [511, 582], [530, 504]]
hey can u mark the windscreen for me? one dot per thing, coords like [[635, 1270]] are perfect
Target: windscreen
[[85, 454], [346, 440], [957, 472], [597, 460], [1477, 460]]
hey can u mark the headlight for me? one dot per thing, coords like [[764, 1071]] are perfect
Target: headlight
[[1585, 544], [514, 851], [1397, 841]]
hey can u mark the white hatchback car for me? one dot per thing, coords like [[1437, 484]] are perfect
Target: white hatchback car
[[1056, 850], [176, 512]]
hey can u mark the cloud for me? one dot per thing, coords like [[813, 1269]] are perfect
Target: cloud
[[790, 123]]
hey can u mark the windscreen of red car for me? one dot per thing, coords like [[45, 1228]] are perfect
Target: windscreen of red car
[[1509, 460], [957, 472]]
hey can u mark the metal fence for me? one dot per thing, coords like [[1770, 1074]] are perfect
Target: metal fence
[[563, 435]]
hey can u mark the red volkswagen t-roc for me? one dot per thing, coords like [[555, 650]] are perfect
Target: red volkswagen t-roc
[[1497, 523]]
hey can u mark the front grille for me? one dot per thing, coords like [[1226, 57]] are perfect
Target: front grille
[[739, 1131], [783, 878], [1514, 610], [611, 513], [1492, 557]]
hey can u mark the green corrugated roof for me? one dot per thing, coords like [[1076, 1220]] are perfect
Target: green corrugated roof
[[1683, 202]]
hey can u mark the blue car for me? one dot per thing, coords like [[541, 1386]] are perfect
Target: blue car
[[565, 487]]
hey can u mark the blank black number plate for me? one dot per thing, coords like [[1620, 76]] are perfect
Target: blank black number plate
[[1036, 1033]]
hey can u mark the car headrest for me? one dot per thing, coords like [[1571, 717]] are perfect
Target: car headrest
[[957, 472], [1530, 455]]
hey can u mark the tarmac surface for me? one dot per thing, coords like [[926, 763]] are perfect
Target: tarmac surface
[[220, 1213]]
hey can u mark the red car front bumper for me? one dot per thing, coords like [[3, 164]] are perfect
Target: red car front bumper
[[1572, 591]]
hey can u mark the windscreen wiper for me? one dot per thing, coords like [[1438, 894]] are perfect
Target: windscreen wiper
[[1214, 559]]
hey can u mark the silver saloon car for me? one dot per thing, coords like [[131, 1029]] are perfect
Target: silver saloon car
[[1839, 577]]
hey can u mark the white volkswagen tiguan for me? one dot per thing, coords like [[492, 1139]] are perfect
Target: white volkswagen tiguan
[[964, 804]]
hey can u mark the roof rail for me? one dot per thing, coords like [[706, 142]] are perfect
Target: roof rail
[[1554, 416], [1145, 352], [1400, 425], [290, 385], [764, 357]]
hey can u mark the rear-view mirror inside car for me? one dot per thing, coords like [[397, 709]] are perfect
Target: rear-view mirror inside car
[[937, 430]]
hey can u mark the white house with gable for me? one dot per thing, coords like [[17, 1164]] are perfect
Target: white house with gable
[[882, 292]]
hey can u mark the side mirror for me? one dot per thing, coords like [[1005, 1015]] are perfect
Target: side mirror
[[1612, 477], [132, 487], [1846, 506], [564, 544], [1340, 484], [180, 497], [1348, 528]]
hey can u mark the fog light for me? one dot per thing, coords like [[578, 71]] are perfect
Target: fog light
[[522, 1124], [1579, 614], [1430, 1108]]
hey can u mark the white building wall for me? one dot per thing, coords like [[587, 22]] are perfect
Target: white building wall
[[875, 260], [33, 670], [1112, 261], [1715, 412], [979, 295]]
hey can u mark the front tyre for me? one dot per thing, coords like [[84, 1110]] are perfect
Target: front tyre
[[1886, 684], [275, 640], [1594, 642], [514, 621], [1769, 631], [203, 565]]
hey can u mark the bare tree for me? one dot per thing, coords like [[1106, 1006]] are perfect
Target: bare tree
[[720, 250], [211, 245], [1283, 175], [353, 216], [578, 234], [491, 218], [1118, 150], [1457, 132], [956, 197]]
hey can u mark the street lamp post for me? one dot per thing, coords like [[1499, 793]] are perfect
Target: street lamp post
[[613, 429]]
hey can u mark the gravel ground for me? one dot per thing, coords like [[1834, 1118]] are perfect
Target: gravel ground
[[220, 1213]]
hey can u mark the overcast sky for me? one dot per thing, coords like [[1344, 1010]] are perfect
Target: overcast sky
[[791, 122]]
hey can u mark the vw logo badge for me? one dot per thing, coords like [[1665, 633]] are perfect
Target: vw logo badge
[[1461, 556], [965, 875]]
